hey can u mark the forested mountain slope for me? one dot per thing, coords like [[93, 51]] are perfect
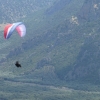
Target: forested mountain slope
[[62, 42], [14, 10]]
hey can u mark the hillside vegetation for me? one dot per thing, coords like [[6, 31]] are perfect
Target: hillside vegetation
[[61, 49], [57, 44]]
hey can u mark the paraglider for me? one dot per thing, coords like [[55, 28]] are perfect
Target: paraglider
[[9, 30], [17, 64], [19, 27]]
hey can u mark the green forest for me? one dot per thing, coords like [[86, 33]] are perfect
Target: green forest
[[59, 54]]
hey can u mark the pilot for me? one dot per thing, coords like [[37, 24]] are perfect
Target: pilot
[[17, 64]]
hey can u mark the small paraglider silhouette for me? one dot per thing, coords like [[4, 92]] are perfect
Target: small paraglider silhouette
[[17, 64]]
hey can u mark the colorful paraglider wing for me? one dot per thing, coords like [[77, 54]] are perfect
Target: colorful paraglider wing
[[21, 30], [8, 31]]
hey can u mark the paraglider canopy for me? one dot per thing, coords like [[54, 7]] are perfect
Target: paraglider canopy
[[19, 27]]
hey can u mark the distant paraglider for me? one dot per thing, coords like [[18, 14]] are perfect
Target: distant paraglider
[[17, 64], [9, 30], [19, 27]]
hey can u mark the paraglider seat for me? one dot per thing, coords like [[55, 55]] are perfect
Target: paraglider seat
[[17, 64]]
